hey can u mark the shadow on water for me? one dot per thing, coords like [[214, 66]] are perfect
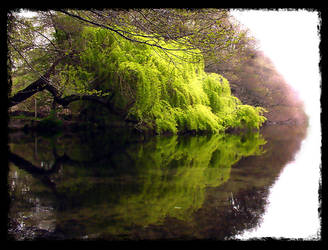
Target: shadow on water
[[116, 186]]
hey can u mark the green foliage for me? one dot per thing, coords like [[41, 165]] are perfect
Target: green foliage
[[249, 116], [161, 93]]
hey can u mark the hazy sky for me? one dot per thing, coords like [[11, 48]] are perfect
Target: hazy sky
[[290, 39]]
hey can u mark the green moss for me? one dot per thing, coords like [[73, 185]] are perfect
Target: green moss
[[169, 94]]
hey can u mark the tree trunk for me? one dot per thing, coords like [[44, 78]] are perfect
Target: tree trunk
[[34, 87], [43, 84], [9, 61], [30, 90]]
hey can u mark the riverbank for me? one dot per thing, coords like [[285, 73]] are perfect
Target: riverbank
[[26, 121]]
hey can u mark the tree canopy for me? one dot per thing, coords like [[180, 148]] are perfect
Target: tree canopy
[[144, 65]]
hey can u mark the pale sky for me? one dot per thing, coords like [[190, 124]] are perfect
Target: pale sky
[[290, 39]]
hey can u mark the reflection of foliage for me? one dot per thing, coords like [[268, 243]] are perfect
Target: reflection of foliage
[[142, 184], [174, 174]]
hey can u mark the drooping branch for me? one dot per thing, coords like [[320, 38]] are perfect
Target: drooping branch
[[65, 101], [37, 86], [117, 31], [43, 83]]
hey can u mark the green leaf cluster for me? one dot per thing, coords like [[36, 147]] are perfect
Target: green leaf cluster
[[161, 90]]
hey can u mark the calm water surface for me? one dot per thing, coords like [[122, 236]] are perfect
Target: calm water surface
[[115, 185], [294, 199]]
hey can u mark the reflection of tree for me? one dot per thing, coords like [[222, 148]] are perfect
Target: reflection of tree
[[140, 184], [238, 204], [242, 211], [249, 184]]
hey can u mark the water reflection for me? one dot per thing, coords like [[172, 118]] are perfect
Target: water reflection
[[293, 209], [105, 186]]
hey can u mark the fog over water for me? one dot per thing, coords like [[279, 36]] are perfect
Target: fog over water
[[291, 40]]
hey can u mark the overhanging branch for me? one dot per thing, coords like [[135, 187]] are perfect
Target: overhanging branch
[[43, 84]]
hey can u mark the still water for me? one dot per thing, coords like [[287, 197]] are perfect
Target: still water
[[115, 185]]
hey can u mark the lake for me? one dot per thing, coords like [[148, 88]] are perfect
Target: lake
[[117, 185]]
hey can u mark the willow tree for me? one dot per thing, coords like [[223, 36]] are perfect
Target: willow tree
[[206, 31], [111, 64]]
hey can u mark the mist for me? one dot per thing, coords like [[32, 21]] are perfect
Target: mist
[[291, 40]]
